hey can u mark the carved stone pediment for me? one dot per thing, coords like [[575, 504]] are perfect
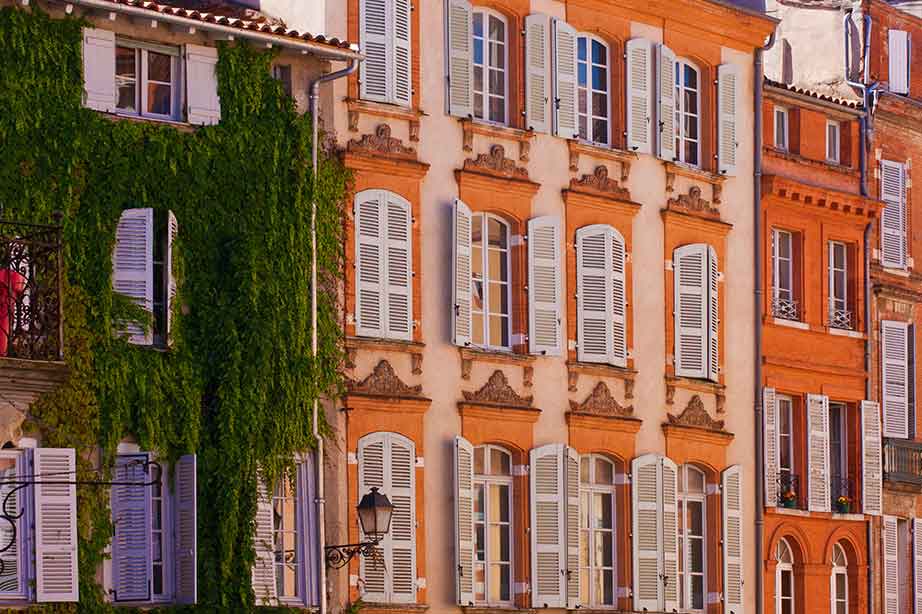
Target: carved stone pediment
[[497, 391], [696, 416], [383, 381], [601, 403], [599, 182], [381, 142], [693, 202], [496, 163]]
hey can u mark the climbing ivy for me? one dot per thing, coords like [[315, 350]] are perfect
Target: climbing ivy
[[237, 384]]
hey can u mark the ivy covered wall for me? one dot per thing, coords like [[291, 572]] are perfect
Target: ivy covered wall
[[236, 387]]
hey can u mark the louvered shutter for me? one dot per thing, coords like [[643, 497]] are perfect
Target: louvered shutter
[[565, 125], [818, 495], [544, 305], [665, 72], [375, 70], [203, 105], [15, 535], [398, 286], [369, 264], [56, 576], [460, 59], [465, 543], [571, 482], [770, 445], [899, 61], [461, 280], [263, 573], [732, 500], [403, 81], [871, 459], [172, 231], [670, 527], [895, 366], [186, 530], [307, 499], [713, 339], [727, 96], [548, 533], [133, 267], [890, 545], [131, 518], [537, 72], [593, 294], [639, 95], [647, 532], [917, 565], [99, 69], [374, 473], [690, 266], [893, 218], [618, 259]]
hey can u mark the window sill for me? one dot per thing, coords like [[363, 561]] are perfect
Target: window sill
[[789, 511], [470, 127], [844, 332], [576, 368], [491, 609], [470, 354], [357, 107], [696, 385], [897, 272], [413, 348], [179, 125], [579, 148], [393, 608], [791, 323]]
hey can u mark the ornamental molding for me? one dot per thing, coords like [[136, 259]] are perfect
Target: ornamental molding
[[696, 416], [600, 183], [600, 402], [381, 142], [693, 202], [383, 381], [497, 164], [497, 391]]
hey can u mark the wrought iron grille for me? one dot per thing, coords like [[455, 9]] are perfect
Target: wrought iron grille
[[841, 318], [788, 490], [785, 309], [903, 461], [842, 491], [31, 276]]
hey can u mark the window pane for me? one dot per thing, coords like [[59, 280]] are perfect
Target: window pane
[[785, 583], [159, 67], [497, 262], [584, 464], [696, 555], [126, 78], [598, 53], [496, 233], [497, 110], [840, 585], [600, 131], [599, 79], [582, 80], [499, 334], [478, 460], [691, 77], [697, 592], [695, 481], [159, 99], [499, 504], [499, 298], [500, 462], [601, 511], [600, 105], [603, 549], [479, 503], [581, 48], [497, 29], [604, 472], [691, 152], [478, 24], [480, 586]]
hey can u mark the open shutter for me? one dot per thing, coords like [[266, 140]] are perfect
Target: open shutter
[[172, 231], [690, 267], [369, 264], [375, 72], [893, 218], [402, 537], [732, 499], [639, 95], [131, 517], [403, 81], [186, 530], [537, 73], [727, 96], [917, 565], [665, 72], [871, 459], [461, 282], [263, 573], [818, 452], [899, 61], [99, 69], [548, 535], [571, 481], [890, 545], [770, 445], [565, 125], [398, 269], [374, 472], [713, 338], [647, 532], [618, 259], [307, 499], [544, 310], [465, 544], [895, 367], [56, 577], [460, 59], [670, 526], [202, 101], [593, 294], [133, 267]]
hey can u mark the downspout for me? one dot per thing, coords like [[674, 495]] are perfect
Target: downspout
[[314, 94]]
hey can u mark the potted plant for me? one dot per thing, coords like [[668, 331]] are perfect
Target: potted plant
[[789, 498], [843, 504]]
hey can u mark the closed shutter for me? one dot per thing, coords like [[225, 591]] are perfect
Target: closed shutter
[[899, 61], [369, 264], [544, 309], [917, 565], [398, 268], [665, 72], [172, 231], [133, 267], [465, 544], [99, 69], [263, 573], [202, 100], [461, 280], [639, 95], [374, 473], [55, 527], [375, 70], [403, 82], [131, 518], [460, 59], [537, 73], [871, 459], [690, 266], [893, 218], [818, 496], [890, 545], [732, 499], [186, 530], [647, 532], [895, 366], [571, 482], [548, 534], [565, 80], [601, 295], [727, 96], [770, 445], [713, 341], [670, 527]]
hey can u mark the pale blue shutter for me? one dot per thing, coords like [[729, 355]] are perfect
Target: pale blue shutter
[[131, 517], [185, 530]]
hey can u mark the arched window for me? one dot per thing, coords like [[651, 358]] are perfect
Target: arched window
[[692, 538], [687, 113], [493, 525], [490, 294], [784, 579], [597, 531], [839, 581], [490, 60], [593, 78]]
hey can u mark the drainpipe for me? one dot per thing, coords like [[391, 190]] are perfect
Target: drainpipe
[[314, 94]]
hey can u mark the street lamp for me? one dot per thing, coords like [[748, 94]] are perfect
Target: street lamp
[[375, 511]]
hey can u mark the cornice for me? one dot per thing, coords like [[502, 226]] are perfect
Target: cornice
[[611, 424], [834, 201], [696, 222]]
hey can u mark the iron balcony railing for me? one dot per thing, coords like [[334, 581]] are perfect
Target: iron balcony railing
[[788, 490], [31, 280], [841, 318], [785, 309], [903, 461], [842, 491]]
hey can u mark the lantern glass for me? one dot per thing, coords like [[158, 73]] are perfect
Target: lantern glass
[[375, 512]]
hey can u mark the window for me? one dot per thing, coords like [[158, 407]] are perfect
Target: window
[[491, 297], [14, 568], [492, 525], [840, 316], [593, 79], [598, 580], [900, 61], [696, 311], [490, 61], [838, 452], [282, 73], [839, 588], [687, 113], [384, 34], [832, 142], [787, 480], [692, 552], [783, 303], [781, 128], [601, 303], [147, 80], [784, 579]]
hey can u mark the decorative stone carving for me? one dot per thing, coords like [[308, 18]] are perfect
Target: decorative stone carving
[[670, 393], [628, 389], [381, 142], [601, 403], [524, 150], [353, 118], [694, 203], [721, 402], [497, 391], [599, 181], [496, 163], [416, 363], [528, 376], [572, 379], [695, 415], [414, 130], [383, 381], [466, 365]]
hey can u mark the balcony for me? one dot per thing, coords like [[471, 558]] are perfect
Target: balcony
[[903, 461], [785, 309], [842, 491], [789, 490], [841, 319]]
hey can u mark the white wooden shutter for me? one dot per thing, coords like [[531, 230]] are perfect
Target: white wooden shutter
[[374, 471], [461, 280], [618, 259], [99, 69], [571, 482], [398, 267], [369, 264], [690, 266], [647, 532], [537, 72], [375, 70], [548, 534], [770, 445], [893, 218], [818, 496], [263, 573], [307, 498], [727, 97], [185, 530], [133, 267], [733, 562], [601, 295], [403, 82], [639, 95], [713, 338], [670, 526], [665, 72], [203, 105], [894, 351], [890, 546], [460, 59], [544, 294], [465, 543], [172, 231], [917, 565], [565, 125], [56, 575], [131, 517], [899, 61], [871, 459]]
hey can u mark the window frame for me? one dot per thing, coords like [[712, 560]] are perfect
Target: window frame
[[784, 301], [23, 527], [587, 111], [589, 532], [785, 403], [485, 40], [838, 570], [784, 567], [683, 499], [484, 481], [300, 598], [680, 111], [784, 144], [833, 154], [832, 271], [483, 218], [141, 79]]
